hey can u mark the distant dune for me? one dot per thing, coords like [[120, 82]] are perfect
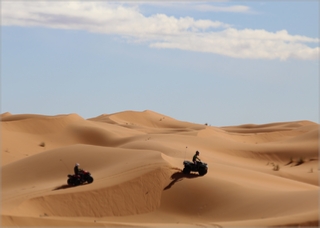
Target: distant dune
[[259, 175]]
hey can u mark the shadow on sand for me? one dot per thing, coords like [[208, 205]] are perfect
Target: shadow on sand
[[178, 176], [64, 186]]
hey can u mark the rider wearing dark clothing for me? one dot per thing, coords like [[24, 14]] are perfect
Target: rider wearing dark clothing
[[195, 158], [76, 169]]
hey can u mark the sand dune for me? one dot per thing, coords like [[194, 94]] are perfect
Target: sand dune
[[259, 175]]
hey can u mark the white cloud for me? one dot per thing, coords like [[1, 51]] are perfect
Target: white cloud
[[230, 9], [254, 44], [160, 30], [196, 6]]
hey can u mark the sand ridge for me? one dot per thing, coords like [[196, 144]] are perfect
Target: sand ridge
[[259, 175]]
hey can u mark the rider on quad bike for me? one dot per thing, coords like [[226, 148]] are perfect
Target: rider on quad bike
[[195, 157], [195, 166], [80, 176], [76, 169]]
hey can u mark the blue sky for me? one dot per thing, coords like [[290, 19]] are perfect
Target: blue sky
[[217, 62]]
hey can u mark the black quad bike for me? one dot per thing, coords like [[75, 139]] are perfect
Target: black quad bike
[[201, 167], [83, 177]]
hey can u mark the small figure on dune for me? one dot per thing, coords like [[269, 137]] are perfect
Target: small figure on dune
[[76, 169], [80, 176], [195, 166], [196, 158]]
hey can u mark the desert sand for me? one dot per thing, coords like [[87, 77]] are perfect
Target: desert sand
[[259, 175]]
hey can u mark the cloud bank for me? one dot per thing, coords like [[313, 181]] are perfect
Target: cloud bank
[[234, 9], [160, 30]]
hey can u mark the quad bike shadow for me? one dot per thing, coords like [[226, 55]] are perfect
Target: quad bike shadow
[[179, 176], [66, 186]]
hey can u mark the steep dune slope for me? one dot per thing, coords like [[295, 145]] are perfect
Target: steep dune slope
[[119, 175]]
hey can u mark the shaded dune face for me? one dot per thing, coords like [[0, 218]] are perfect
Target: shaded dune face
[[138, 195], [259, 175]]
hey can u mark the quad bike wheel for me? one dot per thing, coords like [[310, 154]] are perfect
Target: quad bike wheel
[[73, 182], [186, 170], [90, 179], [202, 172], [70, 182]]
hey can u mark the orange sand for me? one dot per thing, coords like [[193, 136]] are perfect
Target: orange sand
[[136, 161]]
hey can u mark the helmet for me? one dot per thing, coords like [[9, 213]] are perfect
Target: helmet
[[197, 152], [77, 164]]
